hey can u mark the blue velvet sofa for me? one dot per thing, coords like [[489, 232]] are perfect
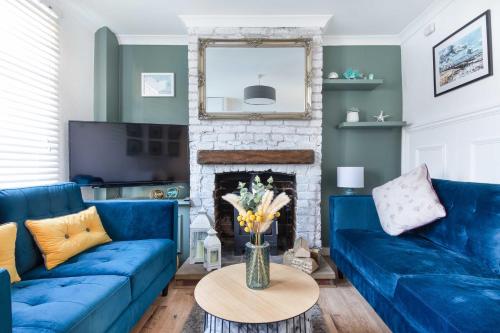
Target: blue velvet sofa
[[443, 277], [104, 289]]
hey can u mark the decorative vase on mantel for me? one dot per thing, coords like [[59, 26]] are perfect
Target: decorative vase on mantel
[[257, 211]]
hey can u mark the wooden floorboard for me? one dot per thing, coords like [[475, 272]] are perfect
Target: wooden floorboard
[[344, 311]]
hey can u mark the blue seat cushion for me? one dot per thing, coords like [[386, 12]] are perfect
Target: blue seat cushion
[[73, 304], [383, 259], [139, 260], [450, 303]]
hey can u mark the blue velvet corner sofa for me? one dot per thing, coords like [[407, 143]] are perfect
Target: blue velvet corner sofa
[[104, 289], [443, 277]]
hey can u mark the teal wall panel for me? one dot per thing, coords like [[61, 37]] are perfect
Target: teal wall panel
[[378, 150], [106, 76], [136, 59]]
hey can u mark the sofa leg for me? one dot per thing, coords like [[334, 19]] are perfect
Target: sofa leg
[[340, 275], [164, 292]]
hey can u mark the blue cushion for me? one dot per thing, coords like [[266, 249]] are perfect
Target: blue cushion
[[18, 205], [383, 259], [450, 303], [472, 222], [75, 304], [140, 260]]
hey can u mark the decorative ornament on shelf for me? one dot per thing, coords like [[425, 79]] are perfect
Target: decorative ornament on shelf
[[213, 251], [333, 75], [174, 192], [371, 76], [257, 211], [352, 115], [353, 74], [381, 117], [157, 194], [198, 231]]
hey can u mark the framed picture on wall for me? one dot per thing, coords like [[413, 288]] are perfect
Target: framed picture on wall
[[158, 84], [464, 56]]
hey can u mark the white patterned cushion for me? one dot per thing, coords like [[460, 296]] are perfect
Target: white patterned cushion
[[407, 202]]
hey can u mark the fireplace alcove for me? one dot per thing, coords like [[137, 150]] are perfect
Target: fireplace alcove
[[233, 241]]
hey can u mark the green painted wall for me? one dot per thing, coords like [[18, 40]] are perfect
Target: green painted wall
[[106, 76], [378, 150], [136, 59]]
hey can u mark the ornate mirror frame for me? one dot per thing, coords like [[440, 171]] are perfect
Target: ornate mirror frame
[[204, 43]]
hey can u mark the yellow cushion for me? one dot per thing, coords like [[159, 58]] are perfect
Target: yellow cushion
[[8, 233], [63, 237]]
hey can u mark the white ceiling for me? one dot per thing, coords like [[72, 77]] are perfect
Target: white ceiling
[[160, 17]]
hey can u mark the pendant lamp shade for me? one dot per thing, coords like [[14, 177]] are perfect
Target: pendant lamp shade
[[259, 95]]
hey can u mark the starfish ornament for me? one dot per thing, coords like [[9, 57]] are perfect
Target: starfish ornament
[[381, 117]]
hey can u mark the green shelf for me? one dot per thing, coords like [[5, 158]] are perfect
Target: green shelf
[[344, 84], [372, 124]]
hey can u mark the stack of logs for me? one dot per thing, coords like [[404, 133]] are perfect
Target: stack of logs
[[302, 257]]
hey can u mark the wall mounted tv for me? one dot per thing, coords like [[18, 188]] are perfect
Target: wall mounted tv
[[127, 154]]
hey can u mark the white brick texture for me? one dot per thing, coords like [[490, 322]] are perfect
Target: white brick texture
[[259, 134]]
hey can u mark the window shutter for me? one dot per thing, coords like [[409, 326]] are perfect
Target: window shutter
[[29, 103]]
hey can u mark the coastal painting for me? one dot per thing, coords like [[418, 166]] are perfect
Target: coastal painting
[[157, 84], [464, 56]]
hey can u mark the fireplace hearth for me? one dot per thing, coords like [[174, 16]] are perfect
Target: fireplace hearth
[[281, 235]]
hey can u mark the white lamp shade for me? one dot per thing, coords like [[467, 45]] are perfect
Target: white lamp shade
[[351, 177]]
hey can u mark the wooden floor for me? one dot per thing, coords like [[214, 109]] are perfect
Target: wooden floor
[[343, 307]]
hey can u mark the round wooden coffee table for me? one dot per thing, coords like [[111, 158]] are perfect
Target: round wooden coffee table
[[230, 306]]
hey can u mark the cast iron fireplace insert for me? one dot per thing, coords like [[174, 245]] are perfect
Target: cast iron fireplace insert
[[280, 236]]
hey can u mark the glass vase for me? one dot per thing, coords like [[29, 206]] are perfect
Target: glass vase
[[257, 265]]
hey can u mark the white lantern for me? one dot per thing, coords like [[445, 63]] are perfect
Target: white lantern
[[198, 232], [212, 251]]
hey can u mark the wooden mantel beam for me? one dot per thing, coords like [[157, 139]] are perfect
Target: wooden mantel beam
[[305, 156]]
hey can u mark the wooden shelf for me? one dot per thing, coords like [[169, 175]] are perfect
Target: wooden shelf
[[372, 124], [344, 84], [304, 156]]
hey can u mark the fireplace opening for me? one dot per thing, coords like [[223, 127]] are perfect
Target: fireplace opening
[[280, 236]]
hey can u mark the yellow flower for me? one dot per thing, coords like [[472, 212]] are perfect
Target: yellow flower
[[259, 218], [249, 212], [239, 218], [247, 229], [251, 217], [271, 216], [277, 214], [242, 223]]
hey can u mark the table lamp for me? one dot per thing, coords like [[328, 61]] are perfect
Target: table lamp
[[350, 178]]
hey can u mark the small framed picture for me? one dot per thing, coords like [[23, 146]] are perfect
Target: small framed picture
[[463, 57], [158, 84]]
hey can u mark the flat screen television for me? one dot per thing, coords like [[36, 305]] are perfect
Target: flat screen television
[[127, 154]]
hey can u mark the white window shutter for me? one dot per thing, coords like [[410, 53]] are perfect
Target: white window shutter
[[29, 102]]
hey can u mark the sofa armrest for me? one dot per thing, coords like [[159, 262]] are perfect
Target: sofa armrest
[[5, 302], [138, 219], [352, 212]]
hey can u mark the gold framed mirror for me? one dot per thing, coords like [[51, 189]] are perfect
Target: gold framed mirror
[[255, 78]]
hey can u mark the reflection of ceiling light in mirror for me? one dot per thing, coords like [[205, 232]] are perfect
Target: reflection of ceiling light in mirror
[[259, 94]]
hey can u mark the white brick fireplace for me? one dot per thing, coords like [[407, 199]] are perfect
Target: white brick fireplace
[[259, 134]]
